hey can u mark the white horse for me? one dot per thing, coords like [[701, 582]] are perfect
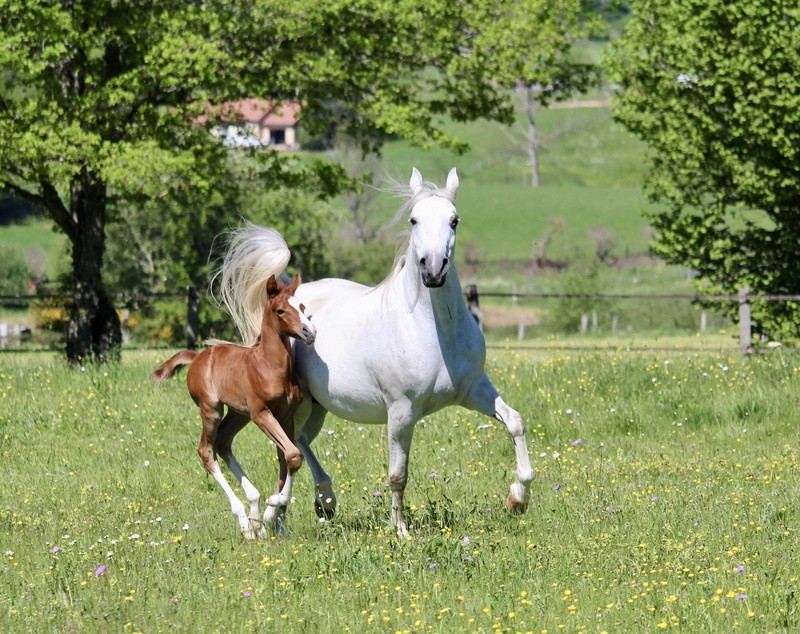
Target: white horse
[[389, 354]]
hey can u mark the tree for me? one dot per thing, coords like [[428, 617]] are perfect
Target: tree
[[713, 89], [98, 102], [532, 53]]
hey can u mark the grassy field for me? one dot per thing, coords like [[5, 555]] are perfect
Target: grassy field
[[592, 172], [665, 498], [592, 175]]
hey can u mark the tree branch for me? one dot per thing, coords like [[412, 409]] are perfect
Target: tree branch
[[60, 214]]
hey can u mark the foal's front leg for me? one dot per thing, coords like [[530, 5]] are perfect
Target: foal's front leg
[[483, 397], [289, 456], [276, 504]]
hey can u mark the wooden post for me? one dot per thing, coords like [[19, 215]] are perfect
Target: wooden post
[[614, 324], [584, 323], [521, 329], [745, 327], [193, 318], [473, 304], [703, 320], [125, 325]]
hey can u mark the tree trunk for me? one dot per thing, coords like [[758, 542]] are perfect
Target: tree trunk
[[94, 331], [530, 102]]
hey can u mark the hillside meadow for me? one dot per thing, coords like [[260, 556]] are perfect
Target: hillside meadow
[[665, 499]]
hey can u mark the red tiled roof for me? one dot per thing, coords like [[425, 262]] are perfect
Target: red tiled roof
[[254, 110]]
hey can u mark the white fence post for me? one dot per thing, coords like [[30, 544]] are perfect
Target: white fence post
[[745, 327]]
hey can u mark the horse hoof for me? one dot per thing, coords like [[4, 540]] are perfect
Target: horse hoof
[[515, 506], [324, 512], [325, 502]]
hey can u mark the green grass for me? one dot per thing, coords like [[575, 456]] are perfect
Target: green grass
[[592, 172], [665, 498], [36, 234]]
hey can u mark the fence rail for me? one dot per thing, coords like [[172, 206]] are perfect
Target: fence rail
[[743, 298]]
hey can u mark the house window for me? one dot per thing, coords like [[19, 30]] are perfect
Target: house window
[[279, 137]]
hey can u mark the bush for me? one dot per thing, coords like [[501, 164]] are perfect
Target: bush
[[16, 273]]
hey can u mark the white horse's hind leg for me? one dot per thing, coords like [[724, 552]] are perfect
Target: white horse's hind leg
[[483, 397], [324, 499]]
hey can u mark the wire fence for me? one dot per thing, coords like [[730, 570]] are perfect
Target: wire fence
[[10, 335]]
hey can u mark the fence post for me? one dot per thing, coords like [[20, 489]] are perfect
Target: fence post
[[125, 325], [473, 304], [193, 318], [745, 327]]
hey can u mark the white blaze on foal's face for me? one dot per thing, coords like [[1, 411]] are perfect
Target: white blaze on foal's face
[[308, 328]]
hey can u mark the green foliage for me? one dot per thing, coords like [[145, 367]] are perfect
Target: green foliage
[[665, 498], [16, 273], [366, 263], [580, 279], [712, 88], [100, 102]]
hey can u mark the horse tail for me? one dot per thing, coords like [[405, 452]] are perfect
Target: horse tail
[[169, 368], [254, 253]]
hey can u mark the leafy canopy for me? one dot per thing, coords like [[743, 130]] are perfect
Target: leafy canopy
[[712, 87]]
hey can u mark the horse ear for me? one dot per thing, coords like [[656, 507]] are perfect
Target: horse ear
[[294, 284], [416, 181], [452, 181], [272, 287]]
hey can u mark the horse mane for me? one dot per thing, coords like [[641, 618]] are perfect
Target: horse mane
[[254, 253]]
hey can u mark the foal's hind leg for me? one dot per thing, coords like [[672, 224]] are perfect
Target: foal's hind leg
[[212, 415], [325, 499], [231, 425], [484, 398]]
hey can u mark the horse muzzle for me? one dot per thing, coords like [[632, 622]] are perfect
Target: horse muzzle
[[433, 279], [308, 335]]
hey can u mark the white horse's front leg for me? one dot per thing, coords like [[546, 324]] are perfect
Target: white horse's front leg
[[325, 498], [483, 397], [401, 432]]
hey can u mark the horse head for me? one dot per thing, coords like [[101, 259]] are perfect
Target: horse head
[[433, 221], [287, 311]]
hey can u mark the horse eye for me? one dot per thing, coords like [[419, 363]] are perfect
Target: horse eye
[[280, 311], [454, 222], [413, 221]]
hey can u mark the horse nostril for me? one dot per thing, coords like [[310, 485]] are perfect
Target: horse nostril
[[444, 263], [422, 261]]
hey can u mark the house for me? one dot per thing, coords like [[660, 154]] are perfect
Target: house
[[256, 122]]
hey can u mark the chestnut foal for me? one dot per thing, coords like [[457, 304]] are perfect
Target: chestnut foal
[[255, 383]]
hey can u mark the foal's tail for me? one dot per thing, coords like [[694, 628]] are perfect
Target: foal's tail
[[254, 253], [169, 368]]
